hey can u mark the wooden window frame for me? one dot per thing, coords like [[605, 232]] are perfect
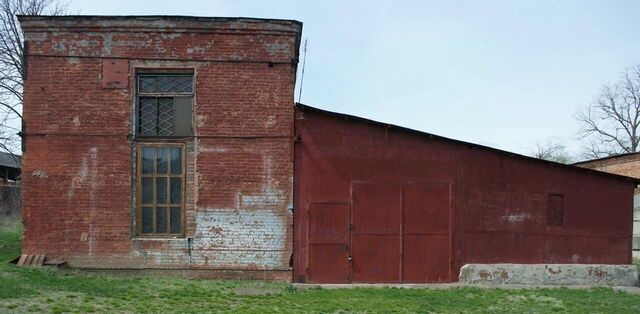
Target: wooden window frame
[[154, 205]]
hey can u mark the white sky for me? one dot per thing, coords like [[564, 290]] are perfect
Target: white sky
[[505, 74]]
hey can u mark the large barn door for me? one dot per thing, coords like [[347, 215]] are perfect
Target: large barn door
[[377, 217], [401, 232], [329, 240], [425, 233]]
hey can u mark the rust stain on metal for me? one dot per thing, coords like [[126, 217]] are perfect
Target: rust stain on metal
[[422, 206]]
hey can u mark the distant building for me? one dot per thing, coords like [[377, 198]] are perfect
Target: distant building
[[626, 165], [9, 167]]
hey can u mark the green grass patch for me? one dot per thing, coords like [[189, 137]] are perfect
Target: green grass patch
[[10, 237], [67, 291]]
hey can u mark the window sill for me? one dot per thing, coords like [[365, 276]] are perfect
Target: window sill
[[159, 238]]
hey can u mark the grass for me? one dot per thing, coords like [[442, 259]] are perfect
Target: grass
[[55, 291]]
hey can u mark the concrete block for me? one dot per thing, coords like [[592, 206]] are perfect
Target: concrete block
[[636, 243], [550, 274]]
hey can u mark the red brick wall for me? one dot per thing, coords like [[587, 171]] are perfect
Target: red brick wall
[[77, 198], [626, 165]]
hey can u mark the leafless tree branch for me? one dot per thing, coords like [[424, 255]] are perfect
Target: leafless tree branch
[[11, 64], [610, 124], [552, 151]]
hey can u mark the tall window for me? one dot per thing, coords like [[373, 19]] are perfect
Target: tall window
[[164, 112], [160, 189], [164, 104]]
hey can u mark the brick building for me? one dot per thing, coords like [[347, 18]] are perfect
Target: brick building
[[174, 144], [160, 142], [626, 165]]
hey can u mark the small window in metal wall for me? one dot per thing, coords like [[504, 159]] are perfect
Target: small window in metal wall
[[555, 210]]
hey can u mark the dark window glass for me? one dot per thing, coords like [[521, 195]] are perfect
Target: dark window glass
[[165, 104], [176, 217], [176, 160], [147, 160], [165, 83], [161, 220], [147, 220], [176, 190], [147, 190], [162, 157], [161, 190], [160, 184]]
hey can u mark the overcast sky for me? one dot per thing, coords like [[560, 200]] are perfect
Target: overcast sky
[[506, 74]]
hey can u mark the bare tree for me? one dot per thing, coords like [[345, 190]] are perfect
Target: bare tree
[[11, 64], [610, 124], [552, 151]]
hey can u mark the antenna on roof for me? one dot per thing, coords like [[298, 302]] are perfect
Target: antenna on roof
[[304, 62]]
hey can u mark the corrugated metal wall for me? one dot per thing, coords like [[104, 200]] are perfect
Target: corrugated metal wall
[[375, 203]]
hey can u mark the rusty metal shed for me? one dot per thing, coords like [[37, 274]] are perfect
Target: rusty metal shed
[[376, 202]]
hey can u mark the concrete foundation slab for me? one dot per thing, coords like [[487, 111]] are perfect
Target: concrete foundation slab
[[550, 274]]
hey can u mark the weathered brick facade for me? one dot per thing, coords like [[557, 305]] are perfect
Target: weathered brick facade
[[78, 199]]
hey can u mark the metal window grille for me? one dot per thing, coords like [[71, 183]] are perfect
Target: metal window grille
[[161, 98], [160, 186]]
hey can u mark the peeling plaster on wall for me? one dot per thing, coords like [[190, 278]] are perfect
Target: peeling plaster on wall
[[277, 48], [271, 121], [200, 49], [160, 252], [76, 121], [170, 35], [38, 36], [200, 120], [58, 46], [106, 44], [139, 43], [251, 235], [215, 149], [269, 195], [39, 174], [79, 178], [196, 50], [93, 153], [228, 237]]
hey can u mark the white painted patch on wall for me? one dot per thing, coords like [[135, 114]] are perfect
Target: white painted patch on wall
[[93, 173], [229, 237], [517, 217]]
